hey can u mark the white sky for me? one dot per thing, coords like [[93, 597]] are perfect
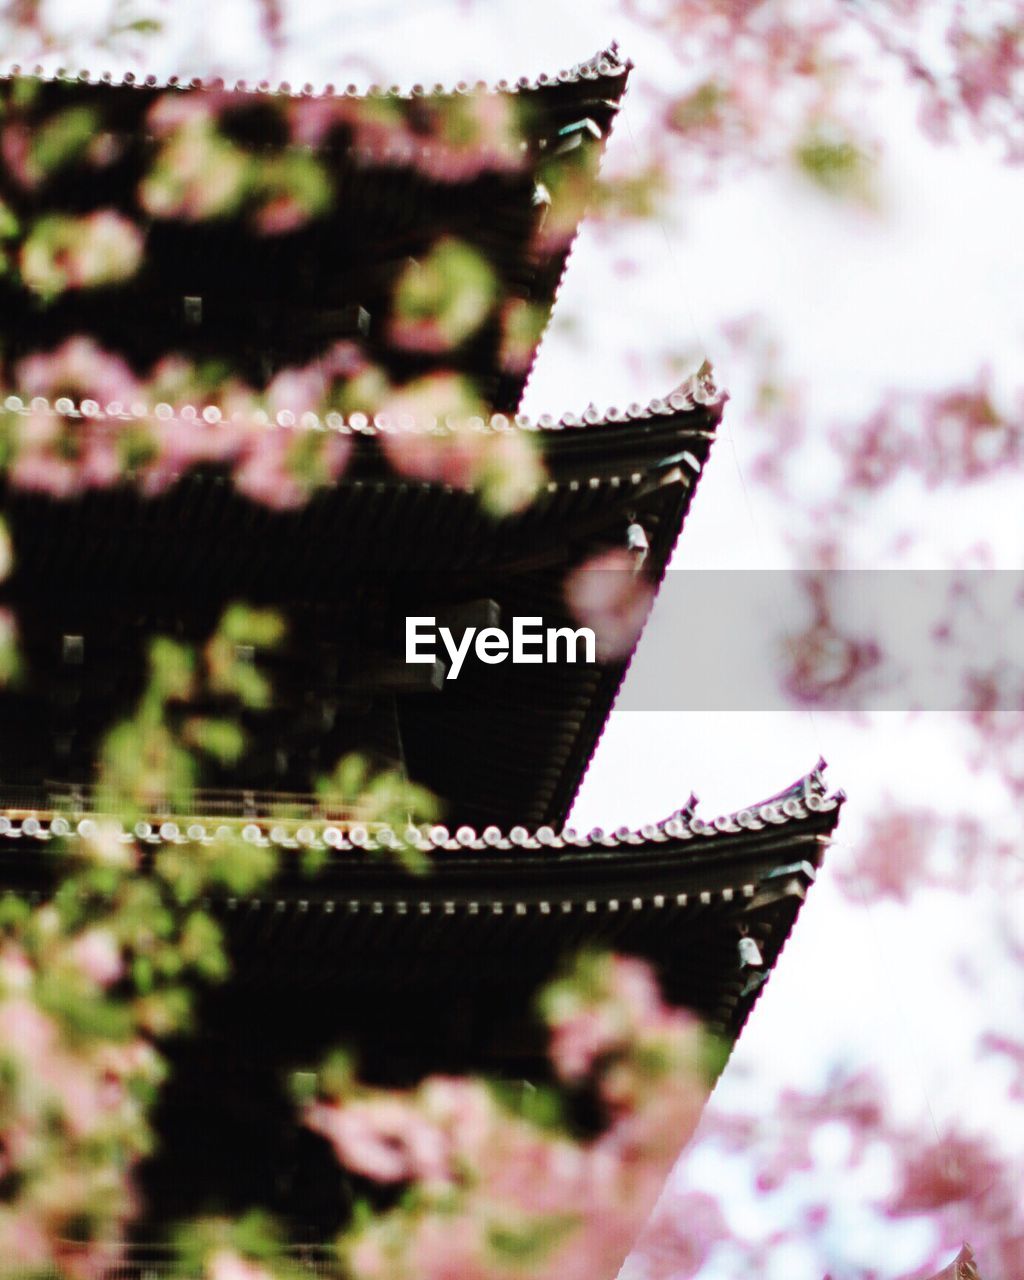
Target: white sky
[[921, 295]]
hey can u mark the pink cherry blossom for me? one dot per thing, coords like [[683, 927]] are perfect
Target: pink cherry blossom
[[103, 846], [16, 970], [280, 466], [226, 1264], [79, 369], [955, 1169], [297, 390], [608, 595], [97, 954], [173, 110], [680, 1237], [198, 173], [385, 1139], [25, 1239], [27, 1035], [580, 1041], [61, 252]]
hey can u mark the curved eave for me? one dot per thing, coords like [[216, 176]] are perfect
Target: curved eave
[[682, 891], [684, 844], [604, 69], [199, 540], [696, 405]]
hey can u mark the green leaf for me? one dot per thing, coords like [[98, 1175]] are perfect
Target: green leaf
[[241, 624], [9, 225], [171, 667], [313, 860], [143, 975], [539, 1105], [63, 138], [202, 946], [84, 1015], [337, 1075], [834, 163], [531, 1240], [14, 913], [453, 286], [222, 739], [141, 26]]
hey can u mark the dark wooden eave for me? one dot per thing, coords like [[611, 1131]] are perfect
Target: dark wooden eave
[[681, 891], [437, 972], [210, 291], [500, 745]]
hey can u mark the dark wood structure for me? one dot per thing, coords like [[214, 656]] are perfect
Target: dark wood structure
[[423, 974]]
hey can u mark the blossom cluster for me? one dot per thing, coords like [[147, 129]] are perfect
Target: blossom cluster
[[92, 423], [89, 981], [490, 1185], [763, 83], [104, 186]]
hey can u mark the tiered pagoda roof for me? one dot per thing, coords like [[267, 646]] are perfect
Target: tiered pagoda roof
[[351, 564], [455, 956], [256, 227], [271, 346]]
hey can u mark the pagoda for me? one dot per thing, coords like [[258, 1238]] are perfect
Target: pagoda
[[263, 354]]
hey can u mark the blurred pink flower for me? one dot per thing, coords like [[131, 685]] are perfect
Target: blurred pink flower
[[280, 215], [892, 858], [950, 1171], [63, 252], [989, 68], [103, 846], [466, 1114], [442, 298], [181, 443], [174, 110], [467, 136], [297, 389], [646, 1139], [97, 954], [198, 173], [91, 1260], [38, 465], [343, 360], [383, 1138], [226, 1264], [62, 456], [448, 140], [493, 1185], [437, 459], [437, 434], [533, 1171], [83, 1097], [27, 1034], [176, 381], [608, 595], [435, 1245], [281, 466], [16, 970], [79, 369], [522, 326], [25, 1240], [16, 152], [680, 1237], [633, 982], [448, 1247], [579, 1042]]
